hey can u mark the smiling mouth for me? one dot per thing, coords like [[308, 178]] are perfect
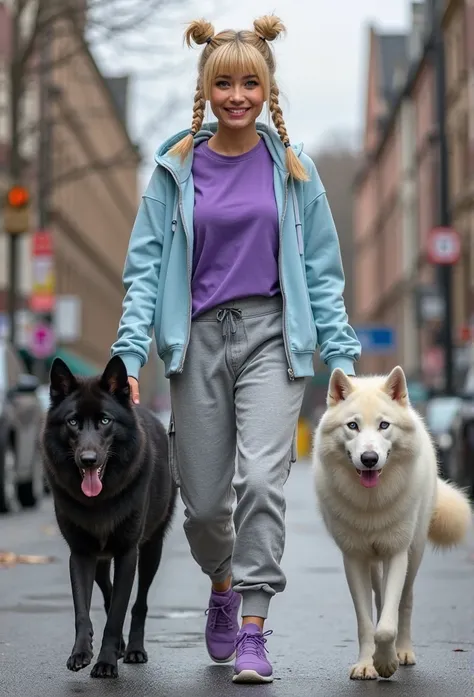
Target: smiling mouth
[[237, 112]]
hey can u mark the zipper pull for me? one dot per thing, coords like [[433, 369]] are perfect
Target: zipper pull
[[174, 223], [291, 373], [299, 236]]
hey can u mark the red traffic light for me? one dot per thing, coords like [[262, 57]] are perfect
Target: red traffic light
[[18, 196]]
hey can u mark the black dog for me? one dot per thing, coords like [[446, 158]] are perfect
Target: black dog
[[114, 497]]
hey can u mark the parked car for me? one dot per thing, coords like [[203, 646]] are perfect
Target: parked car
[[462, 456], [21, 466], [440, 415]]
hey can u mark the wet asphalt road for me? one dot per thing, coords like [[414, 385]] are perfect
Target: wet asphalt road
[[314, 641]]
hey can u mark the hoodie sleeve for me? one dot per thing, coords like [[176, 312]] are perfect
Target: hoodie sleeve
[[140, 279], [339, 346]]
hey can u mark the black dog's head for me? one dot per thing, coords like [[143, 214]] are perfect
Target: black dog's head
[[91, 435]]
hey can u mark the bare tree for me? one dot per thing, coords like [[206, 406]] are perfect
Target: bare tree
[[131, 27]]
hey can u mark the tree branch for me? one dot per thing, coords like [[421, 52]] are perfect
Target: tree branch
[[123, 158]]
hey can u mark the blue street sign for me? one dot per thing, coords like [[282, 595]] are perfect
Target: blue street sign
[[376, 339]]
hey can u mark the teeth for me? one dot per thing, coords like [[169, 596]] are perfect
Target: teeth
[[237, 111], [83, 471]]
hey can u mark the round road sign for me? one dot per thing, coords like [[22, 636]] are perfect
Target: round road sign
[[444, 245]]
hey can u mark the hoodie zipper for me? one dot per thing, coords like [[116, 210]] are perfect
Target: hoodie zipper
[[291, 372], [188, 260]]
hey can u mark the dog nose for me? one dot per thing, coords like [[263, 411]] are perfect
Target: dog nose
[[369, 458], [88, 458]]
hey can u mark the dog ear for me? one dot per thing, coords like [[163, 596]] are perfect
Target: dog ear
[[339, 389], [396, 386], [114, 379], [62, 382]]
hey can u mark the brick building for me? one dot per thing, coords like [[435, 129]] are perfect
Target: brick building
[[94, 193], [396, 199], [459, 55]]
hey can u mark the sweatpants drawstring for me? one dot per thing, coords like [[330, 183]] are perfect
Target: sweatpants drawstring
[[227, 316]]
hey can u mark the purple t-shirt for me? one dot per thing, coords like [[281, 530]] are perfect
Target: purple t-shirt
[[236, 229]]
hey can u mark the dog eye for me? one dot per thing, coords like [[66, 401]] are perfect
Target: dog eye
[[384, 425], [353, 426], [105, 420], [72, 422]]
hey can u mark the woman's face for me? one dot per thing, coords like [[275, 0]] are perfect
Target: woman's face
[[237, 100]]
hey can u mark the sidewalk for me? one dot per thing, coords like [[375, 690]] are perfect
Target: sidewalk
[[314, 641]]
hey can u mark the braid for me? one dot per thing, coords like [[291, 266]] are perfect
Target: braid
[[198, 109], [293, 163], [186, 144], [277, 114]]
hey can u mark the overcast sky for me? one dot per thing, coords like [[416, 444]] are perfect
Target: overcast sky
[[321, 64]]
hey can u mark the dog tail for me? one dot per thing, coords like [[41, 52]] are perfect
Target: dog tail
[[452, 516]]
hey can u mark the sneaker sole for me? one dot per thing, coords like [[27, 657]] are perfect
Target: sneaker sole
[[221, 660], [251, 676]]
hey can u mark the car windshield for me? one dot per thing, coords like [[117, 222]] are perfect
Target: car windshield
[[43, 395], [441, 412]]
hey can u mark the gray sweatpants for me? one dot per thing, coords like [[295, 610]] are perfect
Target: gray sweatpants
[[234, 416]]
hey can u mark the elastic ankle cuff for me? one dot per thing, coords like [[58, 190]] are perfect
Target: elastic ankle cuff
[[255, 603]]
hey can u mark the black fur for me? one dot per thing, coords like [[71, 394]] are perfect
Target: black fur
[[126, 521]]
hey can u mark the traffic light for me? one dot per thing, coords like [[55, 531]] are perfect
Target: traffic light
[[16, 211]]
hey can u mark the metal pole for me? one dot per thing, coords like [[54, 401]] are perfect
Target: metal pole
[[444, 271], [15, 171], [45, 151]]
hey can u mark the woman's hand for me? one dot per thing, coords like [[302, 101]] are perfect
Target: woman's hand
[[135, 391]]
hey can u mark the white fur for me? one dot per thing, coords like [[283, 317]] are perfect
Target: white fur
[[382, 531]]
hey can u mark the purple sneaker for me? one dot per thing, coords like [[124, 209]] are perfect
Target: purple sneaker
[[252, 665], [222, 625]]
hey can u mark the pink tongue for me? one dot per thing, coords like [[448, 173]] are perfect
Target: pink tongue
[[91, 484], [369, 478]]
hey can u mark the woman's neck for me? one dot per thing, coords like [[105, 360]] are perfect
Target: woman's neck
[[229, 141]]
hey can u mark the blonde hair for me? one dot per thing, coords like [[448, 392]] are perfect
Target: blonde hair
[[244, 52]]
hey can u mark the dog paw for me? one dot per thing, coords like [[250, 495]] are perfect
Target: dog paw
[[136, 655], [104, 670], [386, 660], [406, 656], [79, 660], [364, 671]]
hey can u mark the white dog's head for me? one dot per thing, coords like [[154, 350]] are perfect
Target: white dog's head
[[367, 422]]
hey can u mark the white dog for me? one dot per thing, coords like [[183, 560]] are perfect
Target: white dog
[[381, 500]]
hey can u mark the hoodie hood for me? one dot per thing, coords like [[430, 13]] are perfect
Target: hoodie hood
[[183, 169]]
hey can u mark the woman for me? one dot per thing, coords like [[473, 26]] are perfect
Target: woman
[[234, 261]]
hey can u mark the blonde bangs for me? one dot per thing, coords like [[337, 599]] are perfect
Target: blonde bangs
[[236, 58]]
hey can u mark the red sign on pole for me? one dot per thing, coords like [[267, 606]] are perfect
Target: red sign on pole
[[444, 246], [43, 292]]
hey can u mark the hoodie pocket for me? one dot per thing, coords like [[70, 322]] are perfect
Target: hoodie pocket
[[172, 459]]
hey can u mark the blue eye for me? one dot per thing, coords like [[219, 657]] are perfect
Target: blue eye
[[72, 422], [353, 426], [105, 420], [384, 425]]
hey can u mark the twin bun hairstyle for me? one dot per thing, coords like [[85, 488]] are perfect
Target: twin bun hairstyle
[[232, 50], [267, 28]]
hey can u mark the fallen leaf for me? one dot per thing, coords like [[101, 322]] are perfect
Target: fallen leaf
[[9, 559], [49, 530]]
